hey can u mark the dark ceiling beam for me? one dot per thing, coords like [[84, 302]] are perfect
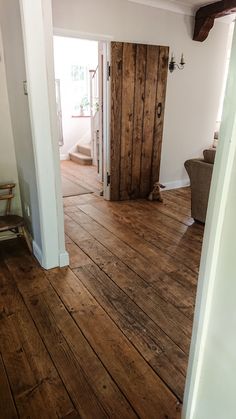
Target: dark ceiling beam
[[206, 15]]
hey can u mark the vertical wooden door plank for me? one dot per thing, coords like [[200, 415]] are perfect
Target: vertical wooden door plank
[[140, 76], [128, 82], [159, 115], [138, 86], [116, 116], [149, 119]]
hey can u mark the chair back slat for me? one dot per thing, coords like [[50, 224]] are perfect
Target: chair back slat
[[11, 222], [4, 197], [8, 196]]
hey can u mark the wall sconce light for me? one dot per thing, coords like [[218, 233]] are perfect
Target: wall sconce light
[[173, 65]]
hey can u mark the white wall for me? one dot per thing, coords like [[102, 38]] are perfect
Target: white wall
[[8, 168], [15, 74], [28, 50], [37, 28], [210, 390], [192, 94]]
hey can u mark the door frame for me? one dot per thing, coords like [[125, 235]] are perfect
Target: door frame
[[106, 96], [59, 110], [224, 168], [106, 120], [37, 31]]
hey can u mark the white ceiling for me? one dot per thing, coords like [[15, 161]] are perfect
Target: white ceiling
[[197, 3], [194, 5], [188, 7]]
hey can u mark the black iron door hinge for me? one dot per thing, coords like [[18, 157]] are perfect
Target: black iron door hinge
[[108, 71]]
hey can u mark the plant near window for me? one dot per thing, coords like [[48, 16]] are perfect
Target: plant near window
[[83, 105], [96, 106]]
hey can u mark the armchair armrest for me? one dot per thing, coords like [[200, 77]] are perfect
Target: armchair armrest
[[200, 174]]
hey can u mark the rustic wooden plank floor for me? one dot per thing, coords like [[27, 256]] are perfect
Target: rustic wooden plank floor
[[109, 336], [85, 176]]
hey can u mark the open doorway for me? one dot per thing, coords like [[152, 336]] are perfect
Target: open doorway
[[79, 97]]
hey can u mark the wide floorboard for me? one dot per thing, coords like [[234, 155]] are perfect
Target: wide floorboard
[[109, 336], [85, 176]]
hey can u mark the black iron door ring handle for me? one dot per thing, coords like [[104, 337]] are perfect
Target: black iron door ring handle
[[159, 109]]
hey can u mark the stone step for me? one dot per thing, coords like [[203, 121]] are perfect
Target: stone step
[[81, 158], [83, 149]]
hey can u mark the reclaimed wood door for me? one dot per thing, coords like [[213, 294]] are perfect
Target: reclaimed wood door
[[138, 89]]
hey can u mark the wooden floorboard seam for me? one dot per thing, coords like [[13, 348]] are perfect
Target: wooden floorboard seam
[[171, 390], [9, 385], [109, 336], [103, 243], [150, 244], [138, 307], [74, 314], [154, 289], [145, 240], [41, 294], [123, 290], [38, 331], [97, 355]]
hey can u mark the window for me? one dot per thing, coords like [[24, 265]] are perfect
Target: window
[[80, 90]]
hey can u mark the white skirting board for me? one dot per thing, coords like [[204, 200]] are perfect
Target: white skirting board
[[37, 252], [176, 184], [63, 258]]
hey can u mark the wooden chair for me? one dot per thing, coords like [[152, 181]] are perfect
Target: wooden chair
[[8, 221]]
